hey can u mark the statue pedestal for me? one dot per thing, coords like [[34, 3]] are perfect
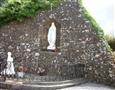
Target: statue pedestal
[[51, 47]]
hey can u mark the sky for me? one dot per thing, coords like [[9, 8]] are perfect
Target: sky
[[103, 12]]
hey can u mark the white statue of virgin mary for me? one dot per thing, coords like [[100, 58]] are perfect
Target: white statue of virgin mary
[[10, 65], [52, 37]]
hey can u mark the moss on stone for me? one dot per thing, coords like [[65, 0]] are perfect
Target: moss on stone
[[93, 23]]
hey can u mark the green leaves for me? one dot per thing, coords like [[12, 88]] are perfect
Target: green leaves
[[20, 9], [14, 1]]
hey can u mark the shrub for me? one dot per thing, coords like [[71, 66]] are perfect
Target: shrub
[[112, 44], [111, 41], [108, 37], [114, 57], [20, 9]]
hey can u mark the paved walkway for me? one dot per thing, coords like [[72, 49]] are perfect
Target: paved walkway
[[90, 86]]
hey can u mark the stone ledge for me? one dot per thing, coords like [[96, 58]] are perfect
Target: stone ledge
[[41, 85]]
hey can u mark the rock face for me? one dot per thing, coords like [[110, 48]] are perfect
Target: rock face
[[77, 45]]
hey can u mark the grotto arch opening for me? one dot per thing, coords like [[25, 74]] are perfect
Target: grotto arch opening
[[44, 33]]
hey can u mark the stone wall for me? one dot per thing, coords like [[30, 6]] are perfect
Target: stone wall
[[76, 44]]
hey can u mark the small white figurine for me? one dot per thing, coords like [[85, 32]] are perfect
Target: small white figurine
[[52, 37], [10, 66]]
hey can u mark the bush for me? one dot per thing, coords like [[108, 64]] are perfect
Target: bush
[[112, 44], [111, 41], [109, 38], [20, 9], [113, 57]]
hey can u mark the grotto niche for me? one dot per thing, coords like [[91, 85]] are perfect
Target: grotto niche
[[44, 37], [79, 56]]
